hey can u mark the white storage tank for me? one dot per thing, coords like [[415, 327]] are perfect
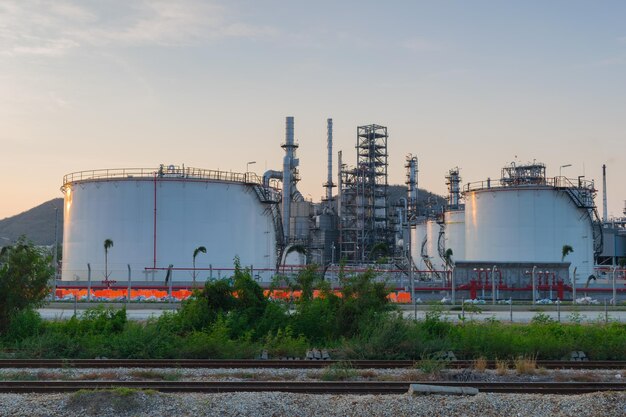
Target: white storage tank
[[528, 218], [454, 227], [157, 217]]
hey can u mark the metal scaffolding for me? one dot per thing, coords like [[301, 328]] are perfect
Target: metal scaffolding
[[365, 231]]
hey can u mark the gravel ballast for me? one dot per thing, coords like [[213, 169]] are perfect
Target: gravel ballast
[[286, 404]]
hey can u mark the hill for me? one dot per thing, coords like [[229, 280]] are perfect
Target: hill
[[37, 224]]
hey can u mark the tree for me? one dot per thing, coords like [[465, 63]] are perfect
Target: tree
[[196, 251], [25, 272], [447, 257], [567, 249], [108, 244]]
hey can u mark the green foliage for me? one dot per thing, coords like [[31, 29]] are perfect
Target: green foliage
[[24, 274], [339, 371], [431, 365], [541, 318], [283, 343], [25, 323], [566, 250]]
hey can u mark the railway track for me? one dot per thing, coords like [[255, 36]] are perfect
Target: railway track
[[292, 364], [369, 387]]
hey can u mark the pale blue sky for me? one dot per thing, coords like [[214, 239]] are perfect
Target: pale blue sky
[[93, 84]]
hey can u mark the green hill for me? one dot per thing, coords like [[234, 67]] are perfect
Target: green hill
[[37, 224]]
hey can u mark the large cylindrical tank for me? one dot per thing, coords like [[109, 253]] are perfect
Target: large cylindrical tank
[[418, 236], [527, 224], [454, 226], [433, 230], [157, 218]]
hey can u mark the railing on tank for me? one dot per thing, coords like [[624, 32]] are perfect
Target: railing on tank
[[555, 182], [170, 171]]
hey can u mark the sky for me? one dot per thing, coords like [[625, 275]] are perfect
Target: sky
[[87, 84]]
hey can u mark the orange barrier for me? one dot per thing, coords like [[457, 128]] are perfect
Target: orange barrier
[[401, 297]]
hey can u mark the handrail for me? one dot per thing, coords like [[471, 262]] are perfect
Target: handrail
[[554, 182], [163, 172]]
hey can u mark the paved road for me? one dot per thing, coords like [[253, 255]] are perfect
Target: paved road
[[586, 316], [64, 314]]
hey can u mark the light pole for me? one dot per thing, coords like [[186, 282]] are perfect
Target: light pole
[[248, 165], [56, 241], [563, 166]]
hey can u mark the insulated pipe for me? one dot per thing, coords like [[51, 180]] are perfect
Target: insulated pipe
[[329, 183], [340, 184], [271, 174], [605, 216]]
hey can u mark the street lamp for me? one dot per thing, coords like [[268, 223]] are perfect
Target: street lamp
[[248, 165], [563, 166]]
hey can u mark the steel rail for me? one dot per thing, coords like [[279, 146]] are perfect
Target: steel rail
[[291, 364], [369, 387], [208, 363]]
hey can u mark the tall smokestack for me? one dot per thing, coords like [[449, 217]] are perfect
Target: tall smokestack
[[289, 166], [605, 216], [329, 182], [411, 181]]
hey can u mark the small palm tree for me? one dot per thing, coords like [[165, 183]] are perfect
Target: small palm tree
[[447, 257], [567, 249], [196, 251], [108, 243]]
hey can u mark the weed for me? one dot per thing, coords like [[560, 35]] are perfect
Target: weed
[[431, 366], [97, 375], [480, 364], [526, 365], [367, 374], [120, 400], [502, 367], [339, 371], [162, 376], [18, 376], [542, 318]]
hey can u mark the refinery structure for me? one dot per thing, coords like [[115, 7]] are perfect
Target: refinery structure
[[157, 217]]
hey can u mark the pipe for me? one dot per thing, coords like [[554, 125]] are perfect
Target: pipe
[[289, 165], [329, 181], [296, 195], [534, 284], [154, 237], [340, 184], [271, 174], [574, 286], [605, 216], [493, 285], [614, 292]]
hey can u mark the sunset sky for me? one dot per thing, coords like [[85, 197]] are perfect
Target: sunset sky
[[90, 84]]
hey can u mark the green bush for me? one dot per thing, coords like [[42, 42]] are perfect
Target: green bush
[[283, 343]]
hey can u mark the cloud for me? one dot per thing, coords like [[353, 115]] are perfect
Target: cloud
[[36, 27]]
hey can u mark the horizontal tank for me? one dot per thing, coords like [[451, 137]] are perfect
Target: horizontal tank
[[157, 218], [529, 219], [454, 226]]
